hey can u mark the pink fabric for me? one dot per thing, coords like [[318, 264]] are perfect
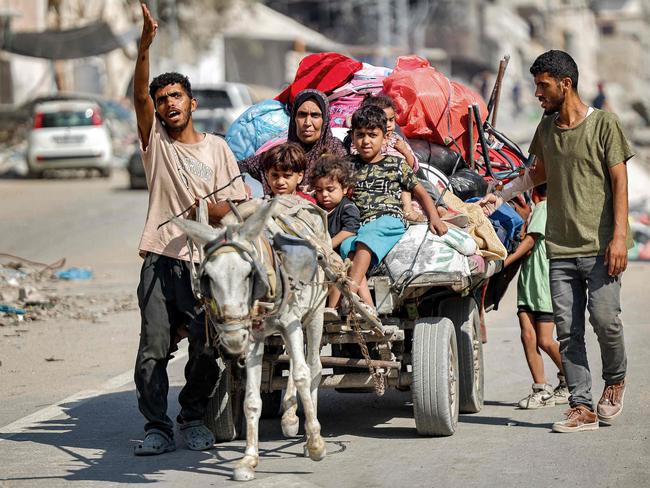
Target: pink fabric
[[347, 99], [271, 143]]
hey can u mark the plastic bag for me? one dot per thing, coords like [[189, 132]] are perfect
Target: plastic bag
[[257, 125], [429, 105], [467, 184], [440, 157]]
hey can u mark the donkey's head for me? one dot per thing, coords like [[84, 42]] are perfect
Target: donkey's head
[[232, 275]]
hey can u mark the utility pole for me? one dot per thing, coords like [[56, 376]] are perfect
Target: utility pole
[[383, 30], [403, 15]]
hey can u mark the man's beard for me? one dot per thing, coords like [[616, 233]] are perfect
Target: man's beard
[[179, 128], [556, 106]]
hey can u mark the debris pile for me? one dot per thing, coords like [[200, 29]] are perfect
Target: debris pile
[[33, 291]]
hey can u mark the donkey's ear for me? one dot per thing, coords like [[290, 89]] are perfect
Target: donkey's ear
[[200, 233], [254, 224]]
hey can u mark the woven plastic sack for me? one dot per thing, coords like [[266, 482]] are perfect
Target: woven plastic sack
[[429, 105], [322, 71], [257, 125]]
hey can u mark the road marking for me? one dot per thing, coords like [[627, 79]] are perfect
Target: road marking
[[58, 409]]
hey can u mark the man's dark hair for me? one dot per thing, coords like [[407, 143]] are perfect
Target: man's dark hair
[[338, 169], [558, 64], [541, 190], [369, 117], [285, 157], [381, 101], [165, 79]]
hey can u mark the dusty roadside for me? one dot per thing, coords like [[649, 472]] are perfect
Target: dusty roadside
[[80, 332]]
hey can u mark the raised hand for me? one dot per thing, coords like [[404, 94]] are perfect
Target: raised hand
[[149, 28]]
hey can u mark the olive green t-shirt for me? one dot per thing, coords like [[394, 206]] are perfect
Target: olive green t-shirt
[[577, 161]]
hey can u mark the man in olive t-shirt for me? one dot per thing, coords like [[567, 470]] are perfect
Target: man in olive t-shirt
[[581, 154]]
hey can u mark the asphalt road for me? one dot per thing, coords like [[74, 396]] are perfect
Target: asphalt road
[[75, 421]]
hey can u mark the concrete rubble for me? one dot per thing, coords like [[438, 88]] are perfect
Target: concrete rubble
[[28, 295]]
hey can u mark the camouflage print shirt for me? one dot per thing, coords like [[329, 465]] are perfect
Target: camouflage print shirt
[[379, 187]]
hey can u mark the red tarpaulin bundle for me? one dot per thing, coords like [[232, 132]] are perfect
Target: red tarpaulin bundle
[[322, 71], [429, 105]]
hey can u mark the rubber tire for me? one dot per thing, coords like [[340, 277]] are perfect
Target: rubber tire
[[224, 414], [464, 313], [435, 385], [271, 403]]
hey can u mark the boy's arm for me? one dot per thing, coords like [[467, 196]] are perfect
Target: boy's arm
[[616, 253], [403, 149], [524, 247], [436, 225], [144, 108], [340, 237]]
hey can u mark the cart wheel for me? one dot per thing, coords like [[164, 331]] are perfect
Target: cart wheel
[[435, 385], [225, 410], [271, 403], [464, 313]]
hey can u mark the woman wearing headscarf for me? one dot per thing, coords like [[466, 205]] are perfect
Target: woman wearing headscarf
[[309, 126]]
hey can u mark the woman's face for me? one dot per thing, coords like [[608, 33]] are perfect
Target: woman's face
[[309, 122]]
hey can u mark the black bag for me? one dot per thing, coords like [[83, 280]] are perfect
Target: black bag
[[467, 184], [436, 155]]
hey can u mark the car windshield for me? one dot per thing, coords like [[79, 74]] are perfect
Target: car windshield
[[68, 118], [212, 98]]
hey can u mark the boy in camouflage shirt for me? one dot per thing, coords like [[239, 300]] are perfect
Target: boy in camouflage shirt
[[380, 181]]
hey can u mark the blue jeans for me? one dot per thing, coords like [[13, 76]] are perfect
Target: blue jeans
[[578, 284]]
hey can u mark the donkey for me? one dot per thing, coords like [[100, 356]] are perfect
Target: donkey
[[237, 282]]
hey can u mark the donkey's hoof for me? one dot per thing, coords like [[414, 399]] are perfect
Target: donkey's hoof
[[243, 473], [290, 427], [316, 449]]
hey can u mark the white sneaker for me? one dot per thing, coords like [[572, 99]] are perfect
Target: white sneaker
[[561, 394], [541, 396]]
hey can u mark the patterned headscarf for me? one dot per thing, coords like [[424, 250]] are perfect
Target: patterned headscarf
[[327, 143]]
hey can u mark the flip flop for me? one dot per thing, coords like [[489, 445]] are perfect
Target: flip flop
[[196, 435], [155, 442]]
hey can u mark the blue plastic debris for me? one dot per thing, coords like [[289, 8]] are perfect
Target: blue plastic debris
[[74, 274], [11, 310]]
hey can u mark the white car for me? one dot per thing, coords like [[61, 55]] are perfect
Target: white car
[[221, 104], [68, 134]]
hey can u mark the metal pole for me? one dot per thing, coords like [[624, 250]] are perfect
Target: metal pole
[[470, 135], [402, 15], [383, 30]]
